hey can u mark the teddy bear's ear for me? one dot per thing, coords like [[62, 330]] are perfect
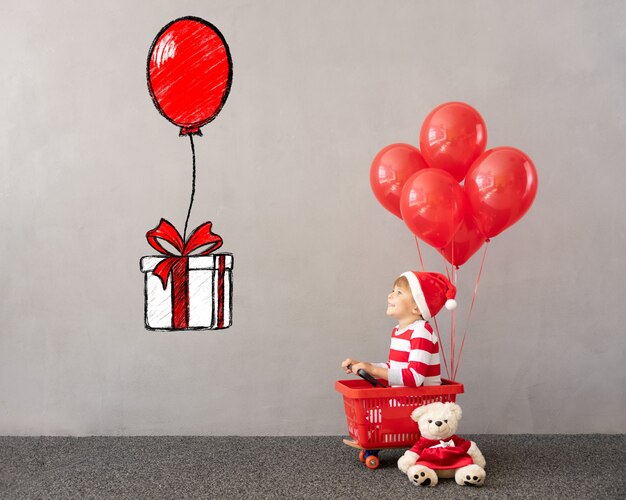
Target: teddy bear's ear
[[456, 410], [418, 412]]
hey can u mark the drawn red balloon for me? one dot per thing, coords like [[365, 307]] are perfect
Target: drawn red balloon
[[500, 186], [391, 168], [465, 242], [433, 206], [453, 135], [189, 73]]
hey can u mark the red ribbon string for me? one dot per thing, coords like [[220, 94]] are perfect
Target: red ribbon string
[[419, 253], [453, 328], [441, 346], [200, 237], [469, 314]]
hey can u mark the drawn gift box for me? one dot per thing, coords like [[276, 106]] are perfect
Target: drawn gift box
[[187, 292]]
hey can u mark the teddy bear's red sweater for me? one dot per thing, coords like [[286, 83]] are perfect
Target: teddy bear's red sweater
[[449, 453]]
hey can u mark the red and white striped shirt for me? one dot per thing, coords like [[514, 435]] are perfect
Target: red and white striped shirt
[[413, 356]]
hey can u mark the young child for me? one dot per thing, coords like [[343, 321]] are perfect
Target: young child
[[414, 352]]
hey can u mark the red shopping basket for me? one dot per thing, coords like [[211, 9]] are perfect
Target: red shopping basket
[[381, 417]]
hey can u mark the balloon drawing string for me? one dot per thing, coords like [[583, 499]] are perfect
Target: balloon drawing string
[[469, 314], [193, 184]]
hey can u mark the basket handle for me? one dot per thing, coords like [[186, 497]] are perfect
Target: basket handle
[[366, 376]]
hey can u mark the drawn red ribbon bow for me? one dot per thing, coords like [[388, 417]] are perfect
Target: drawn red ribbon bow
[[201, 236]]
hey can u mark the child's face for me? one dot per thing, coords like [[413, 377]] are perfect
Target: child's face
[[400, 304]]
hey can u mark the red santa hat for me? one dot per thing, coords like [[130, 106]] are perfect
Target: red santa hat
[[431, 292]]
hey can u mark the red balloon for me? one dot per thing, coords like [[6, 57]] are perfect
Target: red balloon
[[452, 137], [390, 169], [500, 186], [189, 73], [465, 242], [433, 206]]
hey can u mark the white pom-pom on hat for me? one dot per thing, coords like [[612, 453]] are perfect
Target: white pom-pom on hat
[[450, 304]]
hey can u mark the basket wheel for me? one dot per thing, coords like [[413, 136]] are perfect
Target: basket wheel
[[372, 462], [362, 455]]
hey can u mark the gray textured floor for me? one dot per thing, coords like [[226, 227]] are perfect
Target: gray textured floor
[[522, 466]]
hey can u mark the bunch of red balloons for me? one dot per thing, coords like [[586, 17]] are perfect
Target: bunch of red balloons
[[451, 193]]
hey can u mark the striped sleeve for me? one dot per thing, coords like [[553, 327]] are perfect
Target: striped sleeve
[[420, 366], [381, 365]]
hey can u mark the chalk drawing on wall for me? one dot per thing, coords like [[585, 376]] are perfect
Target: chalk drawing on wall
[[188, 286]]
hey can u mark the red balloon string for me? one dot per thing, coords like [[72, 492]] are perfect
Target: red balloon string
[[442, 347], [453, 329], [469, 314], [452, 278], [445, 263], [419, 252]]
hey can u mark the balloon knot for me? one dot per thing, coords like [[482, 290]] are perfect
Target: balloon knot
[[190, 131]]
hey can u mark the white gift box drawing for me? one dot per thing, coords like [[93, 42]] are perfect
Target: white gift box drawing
[[198, 294]]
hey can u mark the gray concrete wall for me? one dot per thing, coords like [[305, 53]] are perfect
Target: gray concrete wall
[[88, 166]]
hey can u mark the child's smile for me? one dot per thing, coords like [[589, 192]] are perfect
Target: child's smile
[[400, 303]]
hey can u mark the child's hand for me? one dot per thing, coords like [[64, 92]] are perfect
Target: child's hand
[[362, 365], [347, 364], [353, 366]]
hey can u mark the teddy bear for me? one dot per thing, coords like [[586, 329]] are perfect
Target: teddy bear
[[439, 451]]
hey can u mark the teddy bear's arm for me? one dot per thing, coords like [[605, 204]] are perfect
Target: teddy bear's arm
[[476, 455], [407, 460]]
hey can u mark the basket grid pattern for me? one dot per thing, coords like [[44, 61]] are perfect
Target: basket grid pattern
[[376, 420]]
